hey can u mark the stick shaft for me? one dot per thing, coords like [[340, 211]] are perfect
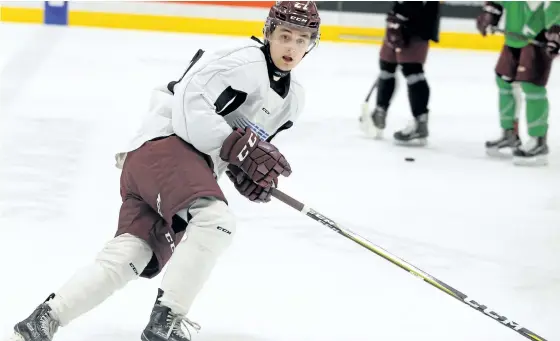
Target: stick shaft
[[405, 266], [518, 36], [373, 86]]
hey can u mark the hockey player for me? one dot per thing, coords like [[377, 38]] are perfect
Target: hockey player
[[410, 27], [526, 64], [219, 117]]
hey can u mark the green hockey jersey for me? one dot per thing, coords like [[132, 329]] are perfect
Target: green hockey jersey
[[552, 13], [523, 17]]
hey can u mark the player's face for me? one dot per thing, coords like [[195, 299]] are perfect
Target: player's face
[[288, 46]]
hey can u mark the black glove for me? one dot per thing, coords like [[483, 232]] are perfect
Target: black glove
[[396, 33], [490, 16], [247, 187], [553, 40]]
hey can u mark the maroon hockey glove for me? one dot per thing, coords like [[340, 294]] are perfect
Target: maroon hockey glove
[[395, 33], [260, 160], [490, 16], [247, 187], [553, 40]]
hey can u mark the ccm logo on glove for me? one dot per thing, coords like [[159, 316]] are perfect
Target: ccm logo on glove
[[250, 143], [260, 160]]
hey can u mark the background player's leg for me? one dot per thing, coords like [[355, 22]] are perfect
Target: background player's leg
[[412, 59], [537, 109], [509, 107], [533, 74], [535, 150], [506, 71], [385, 90], [373, 123]]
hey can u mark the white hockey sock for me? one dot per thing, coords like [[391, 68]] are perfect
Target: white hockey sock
[[121, 260], [209, 233]]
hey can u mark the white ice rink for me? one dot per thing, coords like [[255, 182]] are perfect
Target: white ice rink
[[71, 96]]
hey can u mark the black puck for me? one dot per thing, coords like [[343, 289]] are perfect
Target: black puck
[[409, 159]]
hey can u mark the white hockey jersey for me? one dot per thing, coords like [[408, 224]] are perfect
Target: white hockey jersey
[[223, 90]]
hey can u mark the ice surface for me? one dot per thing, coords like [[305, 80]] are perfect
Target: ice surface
[[71, 96]]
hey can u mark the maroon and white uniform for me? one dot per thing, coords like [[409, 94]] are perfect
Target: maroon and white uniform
[[222, 113]]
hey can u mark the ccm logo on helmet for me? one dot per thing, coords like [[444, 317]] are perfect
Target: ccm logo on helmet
[[302, 20]]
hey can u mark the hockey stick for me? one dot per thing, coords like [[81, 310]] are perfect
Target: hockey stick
[[286, 199], [373, 87], [518, 36], [365, 104]]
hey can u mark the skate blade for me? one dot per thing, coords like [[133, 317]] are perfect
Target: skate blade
[[412, 143], [16, 337], [535, 161], [504, 153]]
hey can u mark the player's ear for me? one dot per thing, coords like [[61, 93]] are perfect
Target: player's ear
[[266, 33]]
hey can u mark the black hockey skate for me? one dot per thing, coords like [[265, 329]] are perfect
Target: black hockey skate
[[503, 146], [39, 326], [165, 325], [415, 133], [532, 153], [373, 124]]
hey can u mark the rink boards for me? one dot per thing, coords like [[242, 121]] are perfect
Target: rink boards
[[235, 18]]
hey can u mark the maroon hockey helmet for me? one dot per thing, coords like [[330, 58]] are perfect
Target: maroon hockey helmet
[[302, 15]]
